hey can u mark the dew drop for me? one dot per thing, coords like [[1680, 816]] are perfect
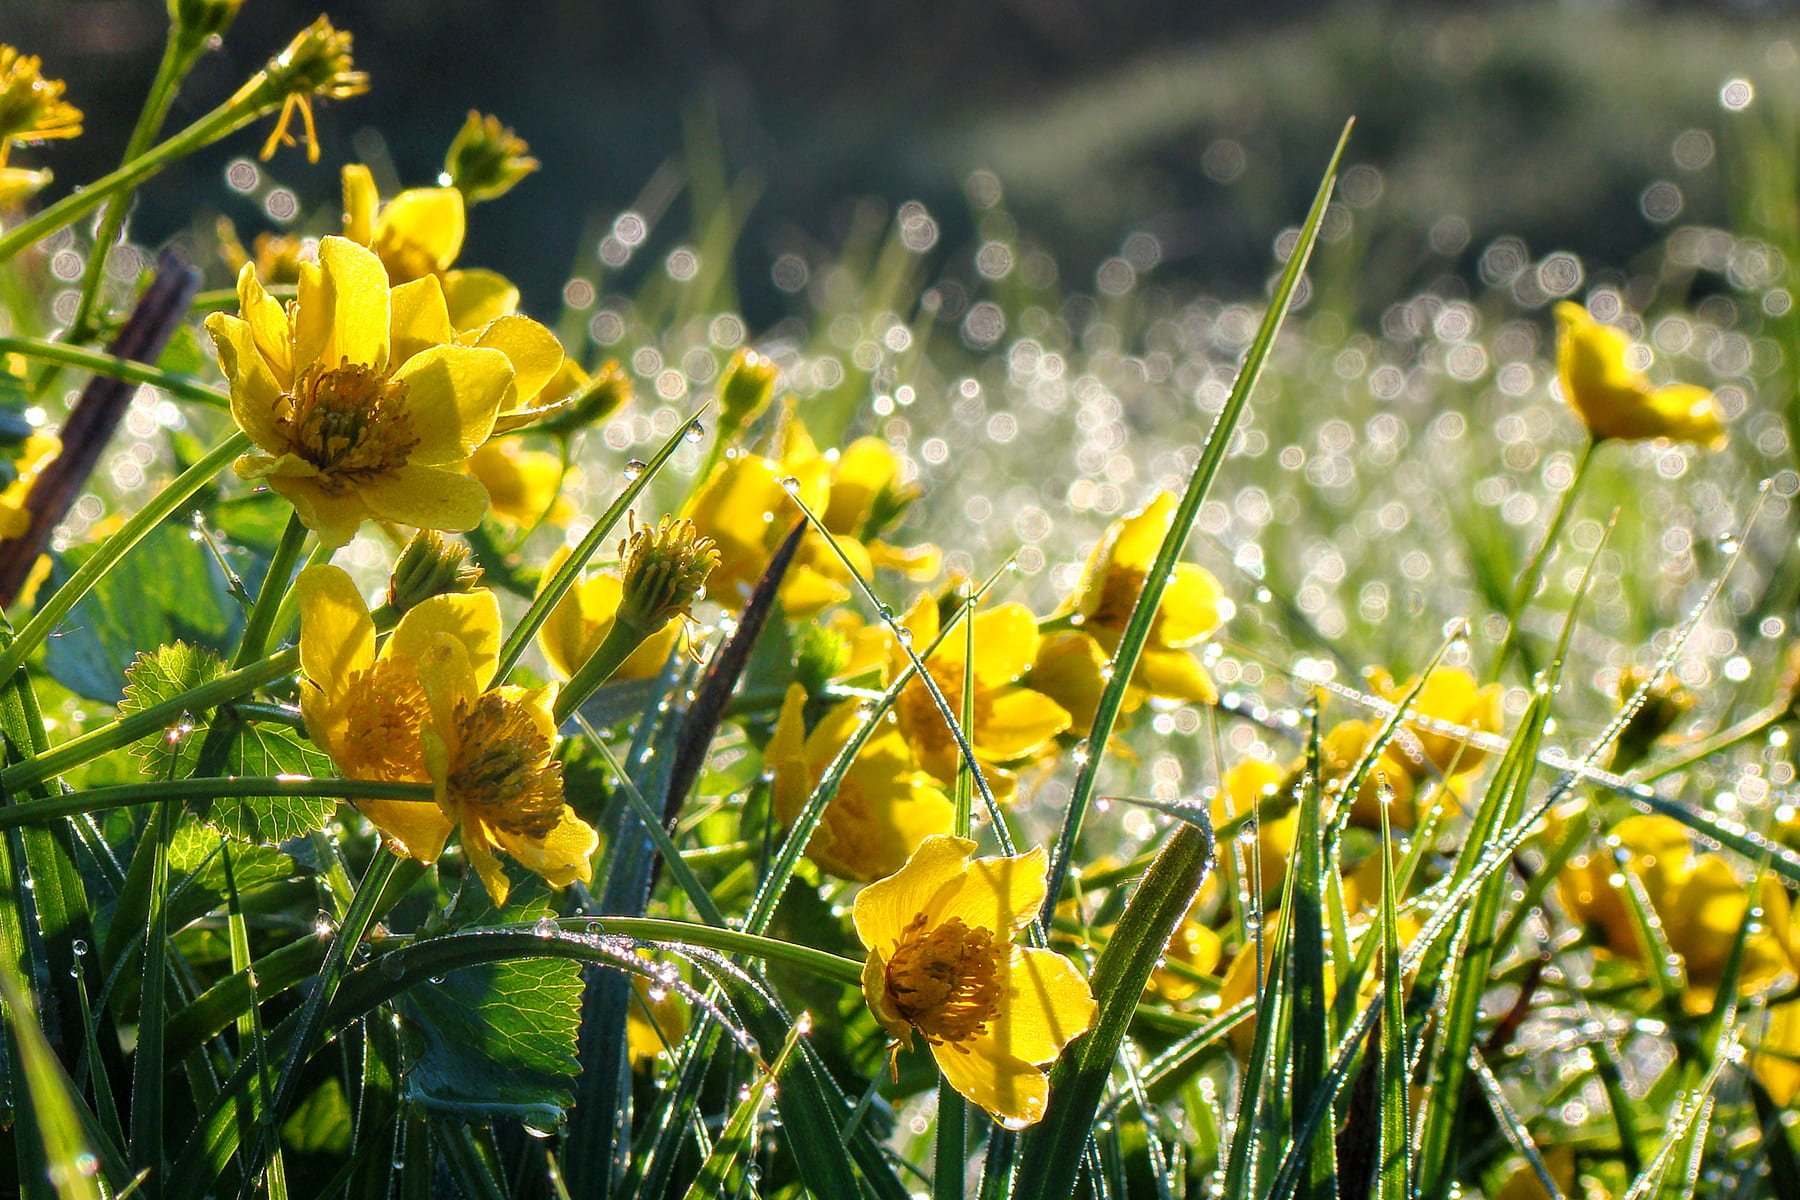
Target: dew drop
[[635, 468]]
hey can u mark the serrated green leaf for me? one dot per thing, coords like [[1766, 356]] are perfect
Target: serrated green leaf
[[497, 1040], [257, 750]]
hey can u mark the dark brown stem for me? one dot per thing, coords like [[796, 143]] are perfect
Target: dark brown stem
[[91, 422]]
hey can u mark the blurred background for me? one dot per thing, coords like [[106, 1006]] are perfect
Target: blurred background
[[1586, 127]]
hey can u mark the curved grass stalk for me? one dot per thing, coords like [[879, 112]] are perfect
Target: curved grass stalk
[[159, 508], [183, 387], [124, 795], [1212, 458]]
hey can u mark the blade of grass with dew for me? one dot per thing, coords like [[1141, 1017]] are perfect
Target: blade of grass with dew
[[950, 1137], [182, 387], [1689, 1110], [1050, 1153], [1206, 469], [1495, 856], [551, 594], [472, 1169], [722, 1174], [1308, 1025], [249, 1022], [1517, 1135], [1394, 1166], [51, 1143]]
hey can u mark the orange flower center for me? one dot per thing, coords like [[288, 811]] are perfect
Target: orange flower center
[[350, 421], [946, 980], [387, 709], [501, 768]]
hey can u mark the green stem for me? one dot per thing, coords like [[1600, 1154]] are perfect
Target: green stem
[[1753, 726], [269, 597], [251, 102], [217, 787], [1534, 567], [618, 645], [219, 299], [179, 56], [115, 548], [182, 387]]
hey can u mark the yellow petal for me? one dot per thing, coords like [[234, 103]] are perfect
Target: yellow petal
[[426, 498], [1173, 675], [533, 350], [1006, 644], [255, 392], [1048, 1005], [1012, 1090], [999, 894], [522, 485], [479, 848], [343, 308], [420, 319], [1191, 607], [805, 592], [785, 756], [1140, 535], [452, 394], [269, 327], [865, 469], [472, 618], [420, 231], [418, 827], [1070, 669], [361, 199], [334, 516], [337, 635], [561, 856], [448, 678], [477, 296], [884, 909], [1017, 722]]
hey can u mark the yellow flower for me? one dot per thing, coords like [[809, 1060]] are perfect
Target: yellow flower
[[884, 806], [1776, 1054], [1012, 721], [657, 1019], [490, 752], [1416, 755], [943, 965], [276, 256], [1247, 786], [32, 109], [358, 407], [1697, 898], [367, 709], [523, 486], [420, 232], [747, 506], [19, 184], [1192, 607], [38, 452], [1614, 399], [1198, 949], [582, 619]]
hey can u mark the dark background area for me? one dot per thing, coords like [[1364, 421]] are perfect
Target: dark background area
[[1204, 124]]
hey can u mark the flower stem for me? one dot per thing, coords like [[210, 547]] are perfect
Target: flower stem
[[182, 387], [1534, 567], [618, 645], [160, 791], [179, 55], [269, 597]]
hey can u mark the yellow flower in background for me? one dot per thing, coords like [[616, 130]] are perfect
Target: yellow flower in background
[[1197, 948], [419, 233], [657, 1019], [1012, 721], [1193, 605], [276, 256], [1614, 399], [1775, 1053], [1248, 786], [1698, 899], [884, 806], [585, 615], [524, 487], [32, 109], [490, 753], [943, 965], [357, 407], [366, 709], [19, 184], [1416, 755], [747, 506], [38, 452]]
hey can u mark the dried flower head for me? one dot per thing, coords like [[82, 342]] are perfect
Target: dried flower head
[[316, 64], [487, 159]]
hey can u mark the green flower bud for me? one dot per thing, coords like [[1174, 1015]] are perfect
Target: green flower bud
[[746, 390], [599, 398], [430, 565], [487, 159], [195, 21], [665, 567]]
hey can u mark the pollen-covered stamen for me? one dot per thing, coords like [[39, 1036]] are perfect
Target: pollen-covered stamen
[[382, 741], [502, 769], [349, 420], [947, 980]]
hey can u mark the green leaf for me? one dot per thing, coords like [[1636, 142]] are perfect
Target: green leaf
[[257, 750], [498, 1040], [1051, 1151], [319, 1124], [722, 1174], [169, 589]]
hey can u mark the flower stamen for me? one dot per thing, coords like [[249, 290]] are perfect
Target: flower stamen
[[349, 421], [947, 980]]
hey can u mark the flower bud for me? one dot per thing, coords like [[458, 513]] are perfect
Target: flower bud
[[487, 159], [1666, 703], [31, 107], [593, 401], [430, 565], [196, 21], [316, 64], [665, 566], [748, 387]]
